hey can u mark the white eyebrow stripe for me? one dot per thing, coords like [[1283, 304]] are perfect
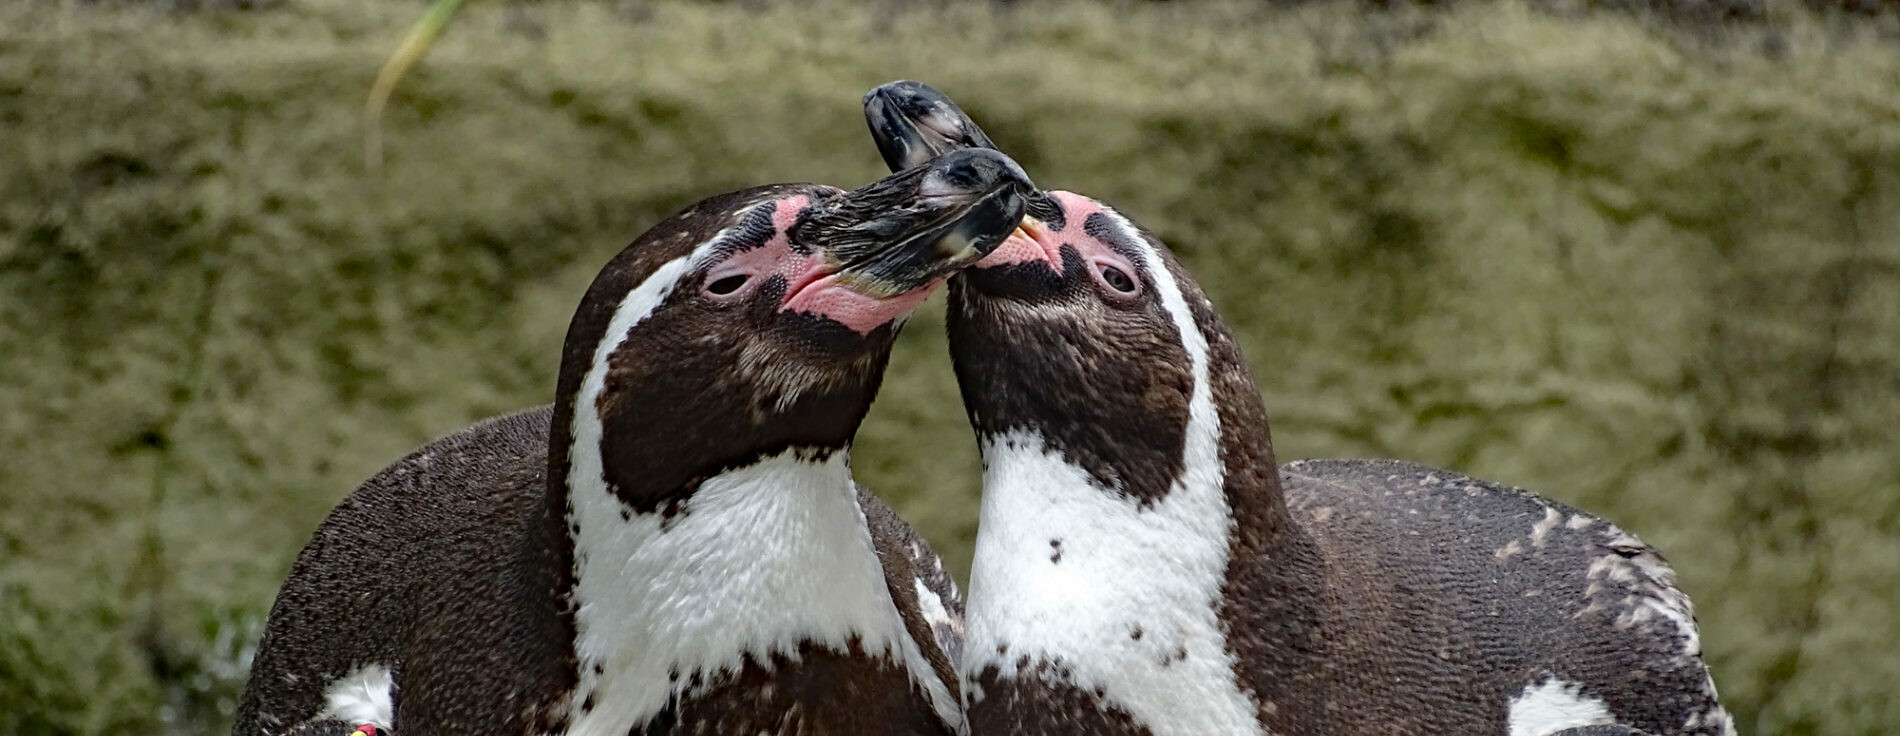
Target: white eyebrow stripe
[[585, 464], [1203, 440]]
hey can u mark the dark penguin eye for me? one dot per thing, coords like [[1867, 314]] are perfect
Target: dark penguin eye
[[727, 285], [1117, 280]]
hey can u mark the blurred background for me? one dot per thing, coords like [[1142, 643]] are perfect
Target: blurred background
[[1642, 259]]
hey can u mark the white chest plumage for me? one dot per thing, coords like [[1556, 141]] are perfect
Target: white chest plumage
[[1123, 598], [761, 560]]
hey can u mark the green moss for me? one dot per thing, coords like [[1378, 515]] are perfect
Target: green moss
[[1648, 272]]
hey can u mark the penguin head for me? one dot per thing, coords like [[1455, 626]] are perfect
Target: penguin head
[[1081, 328], [760, 321]]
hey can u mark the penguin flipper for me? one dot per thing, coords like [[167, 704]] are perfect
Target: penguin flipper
[[919, 585]]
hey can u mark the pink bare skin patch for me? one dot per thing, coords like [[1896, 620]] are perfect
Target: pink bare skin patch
[[813, 286], [1031, 243], [786, 215], [1038, 242], [861, 312], [775, 257]]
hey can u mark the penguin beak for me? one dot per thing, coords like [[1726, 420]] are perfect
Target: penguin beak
[[1034, 240], [914, 228], [914, 123]]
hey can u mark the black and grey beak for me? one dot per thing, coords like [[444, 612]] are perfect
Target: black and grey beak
[[914, 123], [908, 229]]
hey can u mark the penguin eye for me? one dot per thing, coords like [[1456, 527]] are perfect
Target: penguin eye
[[727, 286], [1116, 279]]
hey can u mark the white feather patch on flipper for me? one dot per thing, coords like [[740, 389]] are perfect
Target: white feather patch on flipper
[[363, 696], [935, 613]]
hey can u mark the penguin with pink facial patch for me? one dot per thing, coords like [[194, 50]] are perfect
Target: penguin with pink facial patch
[[676, 545], [1144, 566]]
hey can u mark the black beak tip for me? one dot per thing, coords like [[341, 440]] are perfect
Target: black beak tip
[[891, 127], [912, 122], [904, 95], [1013, 172]]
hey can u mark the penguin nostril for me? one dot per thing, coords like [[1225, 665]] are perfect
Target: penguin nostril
[[727, 286]]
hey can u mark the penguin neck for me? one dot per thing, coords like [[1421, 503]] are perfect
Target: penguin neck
[[764, 560], [1085, 599]]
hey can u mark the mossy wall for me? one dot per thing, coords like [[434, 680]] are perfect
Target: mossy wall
[[1654, 272]]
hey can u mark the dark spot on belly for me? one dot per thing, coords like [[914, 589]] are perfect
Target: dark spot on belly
[[1043, 700], [1136, 634], [814, 690], [1055, 554]]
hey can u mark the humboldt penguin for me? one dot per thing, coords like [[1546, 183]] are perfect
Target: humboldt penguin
[[676, 545], [1143, 567]]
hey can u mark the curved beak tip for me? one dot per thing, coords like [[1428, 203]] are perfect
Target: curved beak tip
[[956, 201]]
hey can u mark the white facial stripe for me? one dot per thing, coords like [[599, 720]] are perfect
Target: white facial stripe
[[635, 308], [1203, 436], [586, 469], [1129, 606], [781, 546]]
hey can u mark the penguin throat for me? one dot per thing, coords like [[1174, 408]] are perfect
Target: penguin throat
[[1077, 588], [773, 560]]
